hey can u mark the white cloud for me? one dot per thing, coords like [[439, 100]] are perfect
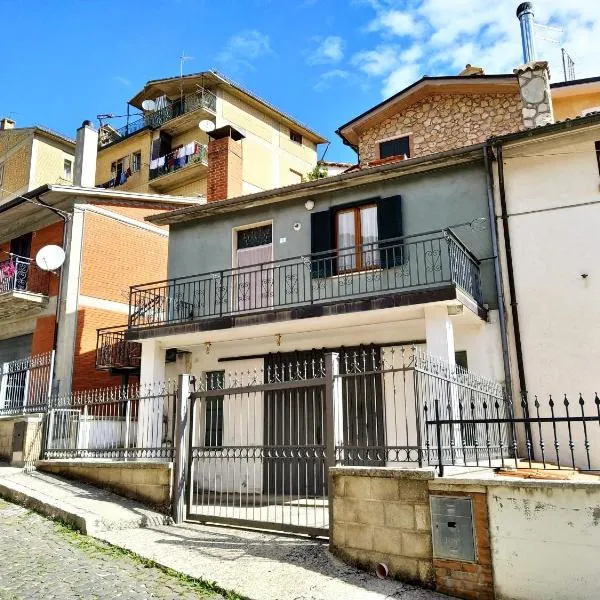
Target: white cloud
[[328, 79], [396, 22], [447, 35], [329, 51], [244, 47]]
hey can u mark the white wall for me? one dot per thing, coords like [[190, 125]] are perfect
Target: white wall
[[545, 540], [553, 202]]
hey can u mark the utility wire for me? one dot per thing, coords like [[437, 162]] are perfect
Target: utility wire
[[58, 211]]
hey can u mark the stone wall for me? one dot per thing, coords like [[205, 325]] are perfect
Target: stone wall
[[148, 482], [6, 436], [31, 432], [443, 122], [382, 516]]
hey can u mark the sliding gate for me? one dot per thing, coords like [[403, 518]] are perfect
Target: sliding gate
[[258, 449]]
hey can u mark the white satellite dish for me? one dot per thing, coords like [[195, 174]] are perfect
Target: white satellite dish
[[149, 105], [50, 258], [206, 125]]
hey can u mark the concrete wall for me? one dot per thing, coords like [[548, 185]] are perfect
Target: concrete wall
[[148, 482], [31, 444], [554, 217], [431, 201], [545, 540], [382, 516]]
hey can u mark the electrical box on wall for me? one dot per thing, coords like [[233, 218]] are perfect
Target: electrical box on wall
[[452, 528]]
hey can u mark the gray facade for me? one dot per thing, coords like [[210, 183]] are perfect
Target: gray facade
[[430, 201]]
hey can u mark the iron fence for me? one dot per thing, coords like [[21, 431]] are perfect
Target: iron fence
[[124, 422], [175, 160], [20, 274], [397, 265], [25, 384], [113, 351], [534, 434]]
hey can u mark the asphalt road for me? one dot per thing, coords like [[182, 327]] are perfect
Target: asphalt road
[[43, 560]]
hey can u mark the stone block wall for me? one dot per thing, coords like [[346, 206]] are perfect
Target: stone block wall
[[147, 482], [441, 122], [382, 516]]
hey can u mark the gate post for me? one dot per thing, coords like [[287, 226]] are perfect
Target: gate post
[[332, 369], [180, 458]]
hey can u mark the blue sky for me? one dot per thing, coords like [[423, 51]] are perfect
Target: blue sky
[[321, 61]]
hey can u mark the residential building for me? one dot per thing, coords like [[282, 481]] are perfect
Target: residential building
[[163, 150], [108, 247], [31, 157], [438, 114]]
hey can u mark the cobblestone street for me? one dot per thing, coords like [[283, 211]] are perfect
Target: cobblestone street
[[41, 559]]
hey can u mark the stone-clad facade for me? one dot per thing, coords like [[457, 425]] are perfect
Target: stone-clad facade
[[442, 122]]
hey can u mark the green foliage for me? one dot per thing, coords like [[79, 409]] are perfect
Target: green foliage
[[319, 172]]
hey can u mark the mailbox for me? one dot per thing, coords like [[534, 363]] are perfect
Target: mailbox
[[452, 528]]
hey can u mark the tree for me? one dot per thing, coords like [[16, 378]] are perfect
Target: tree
[[319, 172]]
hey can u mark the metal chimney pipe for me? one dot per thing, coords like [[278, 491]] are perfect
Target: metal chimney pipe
[[525, 16]]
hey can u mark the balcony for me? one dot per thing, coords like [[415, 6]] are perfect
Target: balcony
[[176, 111], [177, 168], [424, 268], [115, 353], [23, 287]]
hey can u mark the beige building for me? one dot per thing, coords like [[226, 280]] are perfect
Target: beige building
[[31, 157], [163, 149]]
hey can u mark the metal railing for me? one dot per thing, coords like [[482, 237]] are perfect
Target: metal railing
[[20, 274], [533, 434], [25, 384], [203, 98], [115, 423], [172, 161], [113, 351], [406, 264]]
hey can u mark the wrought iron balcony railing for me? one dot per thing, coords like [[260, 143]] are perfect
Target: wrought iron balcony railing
[[113, 351], [20, 274], [178, 159], [202, 98], [398, 265]]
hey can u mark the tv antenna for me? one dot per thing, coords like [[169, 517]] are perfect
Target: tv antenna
[[182, 59], [568, 65]]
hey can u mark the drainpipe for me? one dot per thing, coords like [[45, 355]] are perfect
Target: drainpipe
[[497, 272], [510, 272]]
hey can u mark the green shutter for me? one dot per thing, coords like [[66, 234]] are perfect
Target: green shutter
[[389, 226], [321, 240]]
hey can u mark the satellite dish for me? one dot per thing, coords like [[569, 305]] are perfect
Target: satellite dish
[[149, 105], [206, 125], [50, 258]]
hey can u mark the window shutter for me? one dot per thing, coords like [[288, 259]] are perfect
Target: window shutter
[[321, 240], [389, 225]]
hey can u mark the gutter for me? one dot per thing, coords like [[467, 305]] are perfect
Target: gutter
[[497, 271], [511, 275]]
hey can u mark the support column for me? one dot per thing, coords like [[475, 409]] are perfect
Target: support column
[[439, 333], [151, 404]]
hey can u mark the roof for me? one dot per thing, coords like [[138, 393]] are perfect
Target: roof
[[574, 82], [559, 126], [23, 213], [213, 77], [450, 83], [303, 190], [45, 132]]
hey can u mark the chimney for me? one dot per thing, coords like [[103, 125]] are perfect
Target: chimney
[[525, 16], [7, 123], [86, 152], [224, 164], [534, 85]]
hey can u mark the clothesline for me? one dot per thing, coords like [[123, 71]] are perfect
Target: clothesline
[[183, 152]]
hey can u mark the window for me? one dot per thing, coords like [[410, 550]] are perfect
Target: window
[[1, 173], [295, 136], [213, 423], [68, 169], [356, 238], [136, 162], [397, 147], [597, 158]]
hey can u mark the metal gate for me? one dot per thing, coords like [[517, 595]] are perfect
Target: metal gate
[[257, 452]]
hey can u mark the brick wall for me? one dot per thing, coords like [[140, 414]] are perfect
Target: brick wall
[[43, 335], [472, 581], [442, 122], [383, 516], [139, 213], [117, 255], [224, 169], [53, 234]]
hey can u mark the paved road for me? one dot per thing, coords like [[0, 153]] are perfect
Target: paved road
[[42, 560]]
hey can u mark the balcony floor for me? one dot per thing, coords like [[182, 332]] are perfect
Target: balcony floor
[[190, 172], [19, 304], [448, 294]]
